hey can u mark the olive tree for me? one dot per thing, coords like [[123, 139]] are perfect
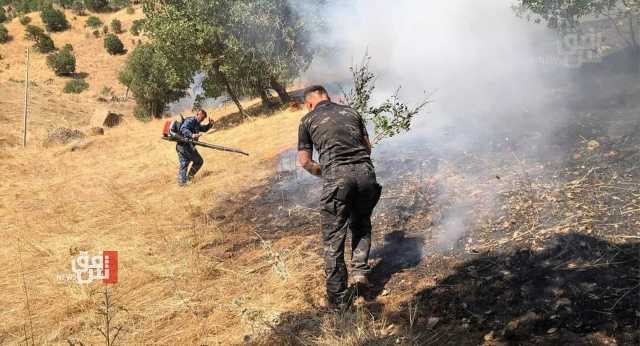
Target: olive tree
[[566, 15], [242, 47], [152, 79]]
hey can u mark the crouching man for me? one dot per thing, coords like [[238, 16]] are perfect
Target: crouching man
[[350, 191], [187, 153]]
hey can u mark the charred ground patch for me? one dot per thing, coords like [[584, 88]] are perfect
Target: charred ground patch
[[497, 245]]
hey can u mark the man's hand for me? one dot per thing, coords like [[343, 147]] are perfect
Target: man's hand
[[196, 135], [304, 158]]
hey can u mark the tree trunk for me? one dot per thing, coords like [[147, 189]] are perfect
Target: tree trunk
[[281, 90], [635, 46], [230, 91], [632, 31], [266, 101]]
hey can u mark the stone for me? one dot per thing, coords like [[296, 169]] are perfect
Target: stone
[[105, 118], [96, 131]]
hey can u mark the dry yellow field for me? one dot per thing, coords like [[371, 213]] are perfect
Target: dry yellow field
[[119, 192]]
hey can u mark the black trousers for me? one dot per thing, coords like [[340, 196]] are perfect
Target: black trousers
[[350, 193]]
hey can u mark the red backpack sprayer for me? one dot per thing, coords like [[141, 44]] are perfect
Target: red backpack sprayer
[[171, 132]]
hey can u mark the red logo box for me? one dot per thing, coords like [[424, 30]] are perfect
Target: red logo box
[[110, 267]]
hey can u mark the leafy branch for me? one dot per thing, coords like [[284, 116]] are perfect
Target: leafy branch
[[389, 118]]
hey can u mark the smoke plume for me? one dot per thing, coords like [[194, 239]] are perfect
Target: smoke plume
[[486, 69]]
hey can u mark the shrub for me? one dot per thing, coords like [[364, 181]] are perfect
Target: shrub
[[113, 45], [65, 3], [96, 5], [4, 34], [54, 20], [3, 15], [78, 8], [27, 6], [116, 26], [63, 63], [68, 46], [75, 86], [93, 22], [44, 44], [117, 4], [106, 92], [141, 113], [33, 33], [137, 26], [96, 33], [24, 20], [105, 29]]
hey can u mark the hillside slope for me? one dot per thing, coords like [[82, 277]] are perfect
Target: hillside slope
[[49, 107], [489, 247], [118, 192]]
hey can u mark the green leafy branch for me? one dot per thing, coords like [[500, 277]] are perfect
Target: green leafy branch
[[389, 118]]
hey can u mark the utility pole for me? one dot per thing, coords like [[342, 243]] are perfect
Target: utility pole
[[26, 103]]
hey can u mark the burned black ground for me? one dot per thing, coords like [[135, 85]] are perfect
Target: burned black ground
[[498, 245]]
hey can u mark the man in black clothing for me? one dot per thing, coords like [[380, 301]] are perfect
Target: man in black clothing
[[350, 190]]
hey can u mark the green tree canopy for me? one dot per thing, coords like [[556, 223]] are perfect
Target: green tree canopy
[[152, 79], [137, 26], [566, 15], [44, 44], [3, 15], [113, 45], [269, 45], [54, 20], [63, 63], [32, 32], [116, 26], [4, 34], [93, 22], [96, 5], [242, 46]]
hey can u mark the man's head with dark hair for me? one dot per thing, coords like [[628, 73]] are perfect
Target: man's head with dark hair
[[201, 115], [314, 95]]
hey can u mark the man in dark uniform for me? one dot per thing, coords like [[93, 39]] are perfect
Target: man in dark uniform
[[187, 153], [350, 190]]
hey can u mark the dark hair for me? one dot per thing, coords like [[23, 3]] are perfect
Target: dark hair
[[314, 89], [201, 110]]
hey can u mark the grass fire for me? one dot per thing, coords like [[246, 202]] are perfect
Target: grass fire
[[288, 172]]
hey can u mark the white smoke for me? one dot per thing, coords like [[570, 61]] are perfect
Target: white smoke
[[486, 66]]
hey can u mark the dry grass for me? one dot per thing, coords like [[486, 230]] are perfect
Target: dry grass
[[177, 283], [119, 192]]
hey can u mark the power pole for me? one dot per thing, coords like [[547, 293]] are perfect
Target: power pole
[[26, 103]]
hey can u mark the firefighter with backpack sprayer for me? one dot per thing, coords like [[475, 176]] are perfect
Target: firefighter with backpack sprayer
[[191, 128], [186, 132]]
